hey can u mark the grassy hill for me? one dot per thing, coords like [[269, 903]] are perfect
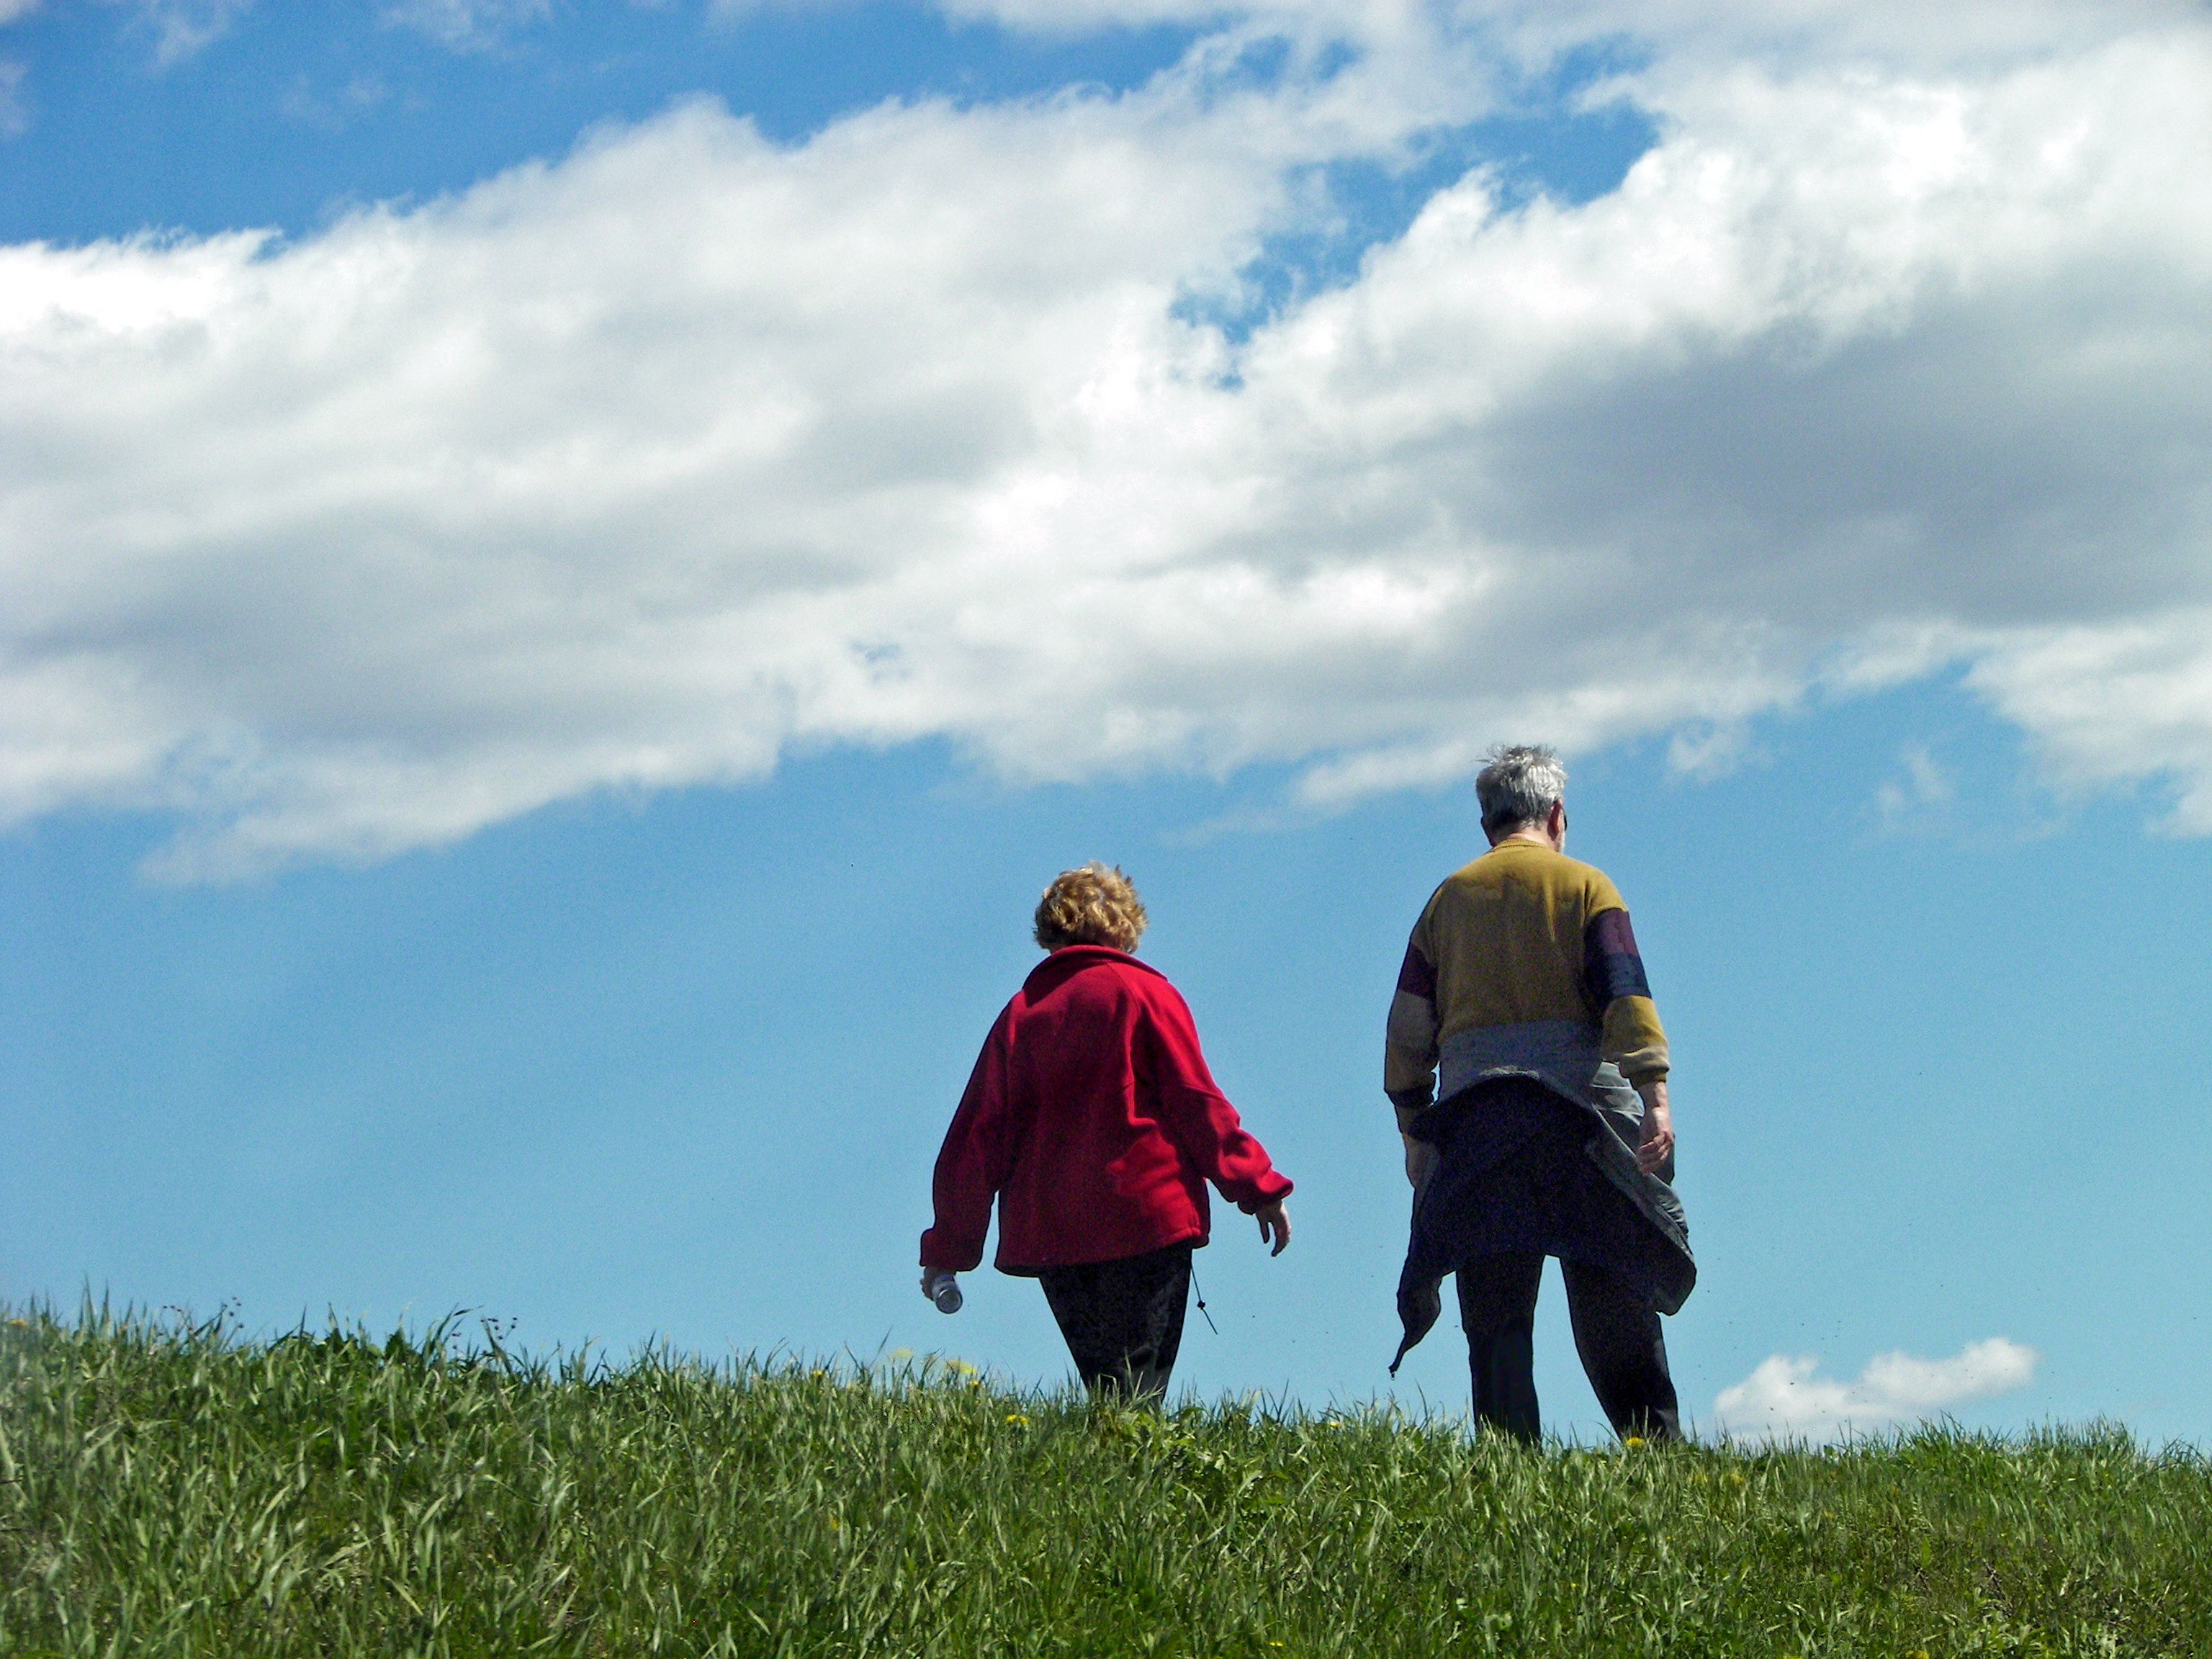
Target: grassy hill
[[177, 1490]]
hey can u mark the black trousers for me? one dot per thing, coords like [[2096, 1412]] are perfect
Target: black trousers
[[1616, 1333], [1123, 1319]]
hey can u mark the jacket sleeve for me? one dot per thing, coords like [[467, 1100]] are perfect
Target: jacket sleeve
[[1172, 1070], [974, 1162]]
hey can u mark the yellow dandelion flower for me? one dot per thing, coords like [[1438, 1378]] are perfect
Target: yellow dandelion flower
[[1633, 1442], [1019, 1419]]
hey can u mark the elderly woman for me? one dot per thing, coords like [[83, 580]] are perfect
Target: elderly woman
[[1092, 1119]]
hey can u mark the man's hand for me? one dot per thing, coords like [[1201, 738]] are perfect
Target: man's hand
[[1420, 1161], [928, 1275], [1273, 1223], [1656, 1155], [1420, 1155]]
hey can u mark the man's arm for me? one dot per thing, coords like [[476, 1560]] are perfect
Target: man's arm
[[1409, 1056], [1614, 978]]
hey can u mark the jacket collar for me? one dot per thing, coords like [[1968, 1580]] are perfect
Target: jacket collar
[[1073, 959]]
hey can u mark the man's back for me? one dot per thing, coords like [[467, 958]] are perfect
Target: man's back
[[1523, 934], [1505, 937]]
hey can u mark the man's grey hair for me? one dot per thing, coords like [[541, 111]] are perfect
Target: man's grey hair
[[1518, 786]]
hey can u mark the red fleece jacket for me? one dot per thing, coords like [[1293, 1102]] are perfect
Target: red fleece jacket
[[1093, 1119]]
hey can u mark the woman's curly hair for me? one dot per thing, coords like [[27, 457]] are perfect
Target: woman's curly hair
[[1095, 905]]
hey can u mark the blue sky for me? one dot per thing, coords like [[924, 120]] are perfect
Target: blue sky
[[538, 699]]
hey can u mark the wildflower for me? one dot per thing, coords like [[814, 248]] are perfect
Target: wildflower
[[1736, 1478], [960, 1368], [1633, 1443], [1019, 1419]]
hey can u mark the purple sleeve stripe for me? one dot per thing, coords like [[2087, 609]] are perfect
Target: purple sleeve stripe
[[1417, 976], [1612, 967], [1610, 930]]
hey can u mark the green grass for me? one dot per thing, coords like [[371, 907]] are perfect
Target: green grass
[[168, 1488]]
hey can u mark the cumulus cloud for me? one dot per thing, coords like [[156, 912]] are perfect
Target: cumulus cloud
[[1785, 1398], [1797, 29], [2116, 706], [642, 467]]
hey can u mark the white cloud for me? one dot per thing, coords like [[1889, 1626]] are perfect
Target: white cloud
[[1803, 29], [1784, 1399], [2117, 705], [640, 468], [466, 25], [1921, 788], [14, 114], [181, 28], [731, 11]]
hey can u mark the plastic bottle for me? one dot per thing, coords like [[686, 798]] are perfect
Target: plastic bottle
[[945, 1292]]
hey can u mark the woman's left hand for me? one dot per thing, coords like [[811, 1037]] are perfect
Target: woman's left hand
[[1273, 1222]]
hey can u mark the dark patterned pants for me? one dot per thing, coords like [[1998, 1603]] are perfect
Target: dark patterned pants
[[1616, 1334], [1123, 1319]]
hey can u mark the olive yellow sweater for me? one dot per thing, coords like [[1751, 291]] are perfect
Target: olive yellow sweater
[[1522, 934]]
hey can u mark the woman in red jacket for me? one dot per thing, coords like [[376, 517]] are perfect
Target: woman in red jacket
[[1093, 1120]]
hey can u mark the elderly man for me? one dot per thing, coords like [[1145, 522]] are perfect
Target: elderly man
[[1550, 1133]]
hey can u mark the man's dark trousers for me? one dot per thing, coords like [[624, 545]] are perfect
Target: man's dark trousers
[[1616, 1332]]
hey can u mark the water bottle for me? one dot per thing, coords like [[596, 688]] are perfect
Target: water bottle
[[945, 1292]]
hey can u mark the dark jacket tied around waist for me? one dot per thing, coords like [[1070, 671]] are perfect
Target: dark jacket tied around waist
[[1528, 1161]]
